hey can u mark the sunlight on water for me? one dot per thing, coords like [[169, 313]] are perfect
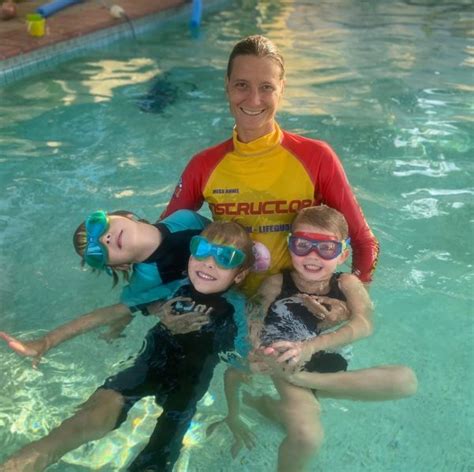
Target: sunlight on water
[[387, 84]]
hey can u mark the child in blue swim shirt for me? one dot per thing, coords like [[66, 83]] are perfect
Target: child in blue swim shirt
[[160, 252], [176, 368]]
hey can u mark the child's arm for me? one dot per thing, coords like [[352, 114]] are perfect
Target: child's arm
[[114, 315]]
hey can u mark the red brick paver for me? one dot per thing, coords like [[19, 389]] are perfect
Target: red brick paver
[[74, 21]]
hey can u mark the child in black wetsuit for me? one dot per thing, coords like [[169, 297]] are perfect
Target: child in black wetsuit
[[295, 345], [175, 368]]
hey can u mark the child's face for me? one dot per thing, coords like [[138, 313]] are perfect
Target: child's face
[[207, 277], [121, 240], [312, 267]]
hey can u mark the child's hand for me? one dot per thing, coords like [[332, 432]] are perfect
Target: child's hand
[[331, 310], [35, 349], [116, 329], [162, 309], [155, 307], [181, 323], [313, 305], [243, 436]]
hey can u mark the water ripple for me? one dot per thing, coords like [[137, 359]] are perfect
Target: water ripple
[[425, 167]]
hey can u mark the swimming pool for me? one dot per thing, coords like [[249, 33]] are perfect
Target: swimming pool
[[388, 84]]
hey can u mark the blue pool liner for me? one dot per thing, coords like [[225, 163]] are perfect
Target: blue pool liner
[[52, 7]]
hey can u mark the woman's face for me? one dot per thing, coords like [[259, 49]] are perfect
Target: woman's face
[[254, 90]]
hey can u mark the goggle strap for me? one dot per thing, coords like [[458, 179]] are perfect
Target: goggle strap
[[345, 243], [313, 236]]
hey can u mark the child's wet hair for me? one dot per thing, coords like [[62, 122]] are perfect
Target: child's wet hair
[[233, 234], [323, 217], [79, 241]]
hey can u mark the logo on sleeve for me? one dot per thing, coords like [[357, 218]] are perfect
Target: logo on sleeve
[[178, 189]]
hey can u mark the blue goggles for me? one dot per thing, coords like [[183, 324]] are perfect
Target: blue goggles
[[226, 257], [96, 254]]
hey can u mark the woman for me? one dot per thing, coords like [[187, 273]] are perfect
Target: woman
[[261, 178], [264, 175]]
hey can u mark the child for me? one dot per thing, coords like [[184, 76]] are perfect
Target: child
[[299, 304], [161, 252], [176, 368]]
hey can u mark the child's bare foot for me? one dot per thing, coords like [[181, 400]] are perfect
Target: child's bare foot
[[264, 404]]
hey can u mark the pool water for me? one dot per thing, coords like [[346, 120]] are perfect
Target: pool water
[[387, 83]]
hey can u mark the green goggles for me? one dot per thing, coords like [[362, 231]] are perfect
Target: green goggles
[[96, 254], [226, 257]]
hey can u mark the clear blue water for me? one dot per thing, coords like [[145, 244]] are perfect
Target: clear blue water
[[388, 84]]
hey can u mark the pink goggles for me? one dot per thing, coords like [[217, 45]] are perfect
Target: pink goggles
[[302, 243]]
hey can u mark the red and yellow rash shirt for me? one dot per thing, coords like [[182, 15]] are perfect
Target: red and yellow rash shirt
[[262, 184]]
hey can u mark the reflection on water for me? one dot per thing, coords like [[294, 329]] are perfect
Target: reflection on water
[[387, 84]]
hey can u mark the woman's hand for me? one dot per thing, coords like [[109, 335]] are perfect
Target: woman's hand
[[178, 323], [282, 358], [243, 436], [331, 310], [35, 349], [294, 353]]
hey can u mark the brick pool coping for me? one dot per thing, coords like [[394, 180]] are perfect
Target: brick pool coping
[[69, 31]]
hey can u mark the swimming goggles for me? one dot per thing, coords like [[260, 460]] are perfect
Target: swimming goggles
[[301, 244], [96, 253], [226, 257]]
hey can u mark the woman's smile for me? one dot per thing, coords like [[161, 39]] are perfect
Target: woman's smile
[[254, 90], [251, 112]]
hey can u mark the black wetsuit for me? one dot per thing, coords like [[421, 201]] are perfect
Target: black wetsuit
[[177, 370], [288, 319]]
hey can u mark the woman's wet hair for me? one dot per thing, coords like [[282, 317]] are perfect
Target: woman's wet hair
[[258, 46], [323, 217], [79, 241], [233, 234]]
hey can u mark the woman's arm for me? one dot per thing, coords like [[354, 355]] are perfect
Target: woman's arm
[[359, 325], [335, 191], [188, 192]]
